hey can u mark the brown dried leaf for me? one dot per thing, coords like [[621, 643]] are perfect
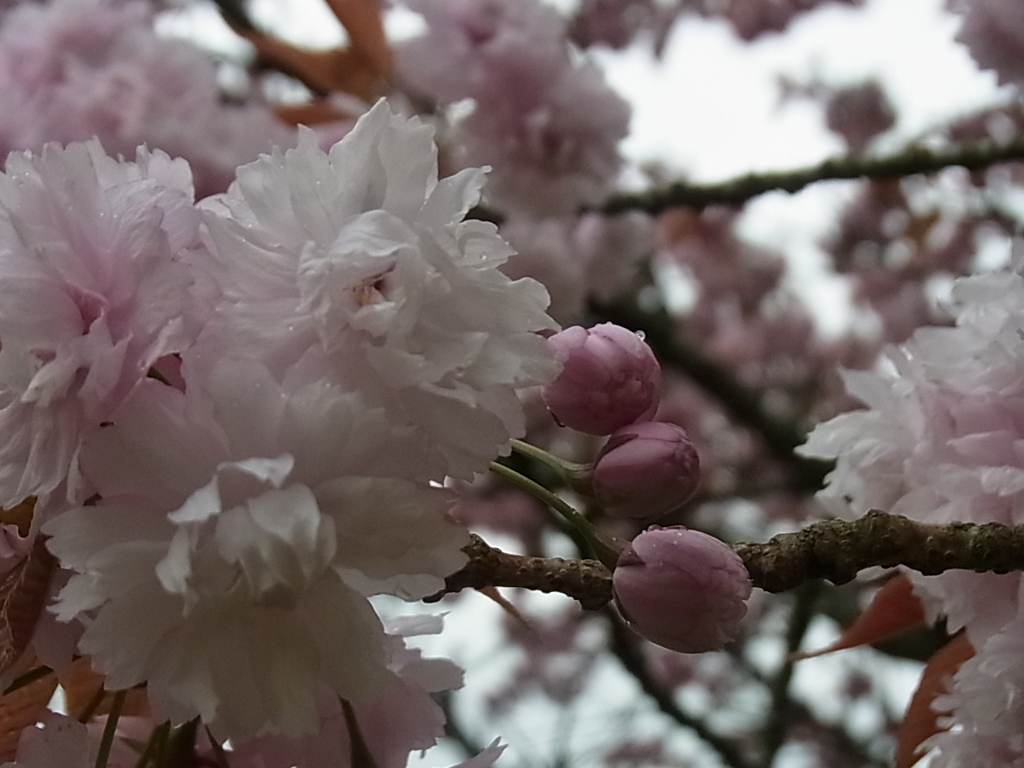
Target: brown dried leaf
[[20, 709], [323, 72], [362, 20], [81, 686], [314, 113], [23, 591], [921, 721], [893, 610]]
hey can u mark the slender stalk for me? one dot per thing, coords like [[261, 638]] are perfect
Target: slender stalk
[[557, 463], [538, 491], [575, 475], [107, 742], [36, 673], [604, 547]]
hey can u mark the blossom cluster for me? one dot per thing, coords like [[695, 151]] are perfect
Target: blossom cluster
[[940, 442], [76, 69], [546, 122], [246, 410], [236, 417], [681, 589]]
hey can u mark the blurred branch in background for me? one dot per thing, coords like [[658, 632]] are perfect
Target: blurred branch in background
[[735, 192]]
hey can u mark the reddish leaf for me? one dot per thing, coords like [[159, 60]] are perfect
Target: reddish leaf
[[893, 610], [20, 709], [921, 721], [314, 113], [82, 686], [23, 591], [323, 72], [362, 21]]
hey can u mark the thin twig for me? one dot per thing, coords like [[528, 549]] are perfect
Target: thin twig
[[110, 729], [832, 549], [914, 160]]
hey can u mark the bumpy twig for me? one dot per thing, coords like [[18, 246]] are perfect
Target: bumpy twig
[[586, 581], [833, 549], [837, 549], [972, 156]]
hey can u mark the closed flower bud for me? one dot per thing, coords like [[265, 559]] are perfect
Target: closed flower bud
[[645, 470], [681, 589], [610, 378]]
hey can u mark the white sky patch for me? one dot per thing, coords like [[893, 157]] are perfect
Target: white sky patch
[[796, 225], [203, 25], [711, 109], [686, 113], [309, 23]]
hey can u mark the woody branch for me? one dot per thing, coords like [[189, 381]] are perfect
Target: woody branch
[[833, 549]]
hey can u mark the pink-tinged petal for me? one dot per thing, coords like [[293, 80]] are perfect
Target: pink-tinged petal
[[682, 589], [609, 378], [357, 263], [95, 290], [61, 740], [645, 470]]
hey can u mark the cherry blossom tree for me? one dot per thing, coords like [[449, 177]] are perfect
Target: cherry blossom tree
[[347, 411]]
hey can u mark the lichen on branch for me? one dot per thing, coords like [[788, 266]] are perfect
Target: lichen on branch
[[831, 549]]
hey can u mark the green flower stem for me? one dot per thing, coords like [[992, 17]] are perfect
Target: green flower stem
[[561, 466], [93, 705], [605, 548], [111, 728]]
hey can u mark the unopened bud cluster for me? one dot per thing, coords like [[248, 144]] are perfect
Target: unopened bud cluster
[[679, 588], [610, 385]]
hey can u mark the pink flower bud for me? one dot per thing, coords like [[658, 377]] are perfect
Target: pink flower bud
[[610, 378], [645, 470], [681, 589]]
